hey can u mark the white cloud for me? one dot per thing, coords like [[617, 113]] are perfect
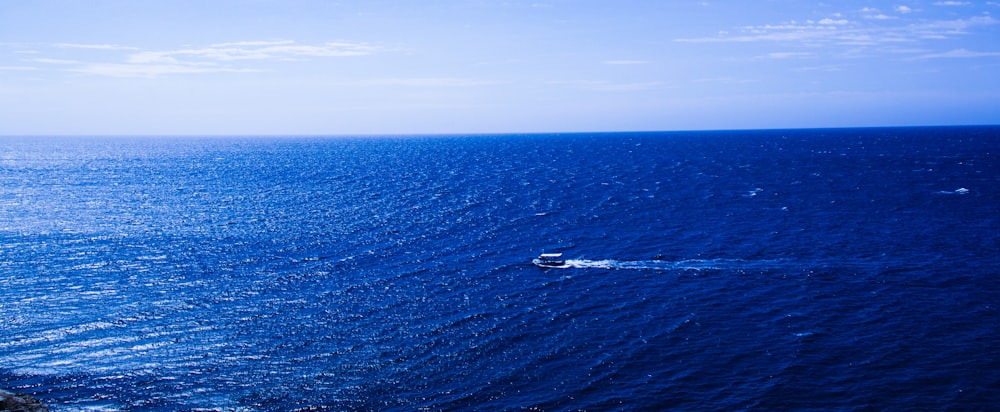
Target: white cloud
[[959, 54], [786, 55], [283, 50], [606, 86], [879, 16], [624, 62], [949, 28], [829, 68], [951, 3], [93, 46], [253, 43], [214, 58], [151, 58], [814, 34], [625, 87], [151, 70], [425, 82], [903, 9], [54, 61], [724, 80], [17, 68], [829, 21], [872, 13]]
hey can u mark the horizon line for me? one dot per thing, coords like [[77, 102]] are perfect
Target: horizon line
[[455, 134]]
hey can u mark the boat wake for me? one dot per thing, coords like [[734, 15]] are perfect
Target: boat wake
[[673, 265]]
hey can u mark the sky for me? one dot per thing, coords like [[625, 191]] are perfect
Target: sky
[[319, 67]]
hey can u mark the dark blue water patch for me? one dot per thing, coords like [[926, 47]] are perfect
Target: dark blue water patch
[[798, 269]]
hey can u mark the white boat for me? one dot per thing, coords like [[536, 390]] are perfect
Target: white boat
[[550, 260]]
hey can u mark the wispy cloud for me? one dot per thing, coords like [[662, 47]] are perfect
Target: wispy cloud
[[951, 3], [425, 82], [828, 68], [959, 54], [254, 43], [281, 50], [214, 58], [872, 13], [835, 22], [946, 29], [152, 70], [624, 62], [880, 16], [606, 86], [17, 68], [93, 46], [53, 61], [786, 55], [789, 31], [836, 32], [725, 80]]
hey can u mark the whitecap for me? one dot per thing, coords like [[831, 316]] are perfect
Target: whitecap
[[959, 191]]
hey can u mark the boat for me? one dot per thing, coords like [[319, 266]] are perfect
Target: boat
[[550, 260]]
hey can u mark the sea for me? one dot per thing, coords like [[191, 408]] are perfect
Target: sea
[[812, 269]]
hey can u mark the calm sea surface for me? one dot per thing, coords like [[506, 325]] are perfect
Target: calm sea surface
[[835, 269]]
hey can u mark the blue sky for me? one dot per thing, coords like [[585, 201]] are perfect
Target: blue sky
[[477, 66]]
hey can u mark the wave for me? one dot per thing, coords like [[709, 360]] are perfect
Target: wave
[[959, 191]]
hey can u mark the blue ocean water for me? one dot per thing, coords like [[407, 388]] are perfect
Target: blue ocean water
[[833, 269]]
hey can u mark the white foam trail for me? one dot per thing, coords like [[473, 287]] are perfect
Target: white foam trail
[[687, 264]]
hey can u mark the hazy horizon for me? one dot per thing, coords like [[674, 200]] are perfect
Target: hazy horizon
[[485, 134]]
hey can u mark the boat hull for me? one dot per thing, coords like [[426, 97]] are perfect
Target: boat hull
[[556, 264]]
